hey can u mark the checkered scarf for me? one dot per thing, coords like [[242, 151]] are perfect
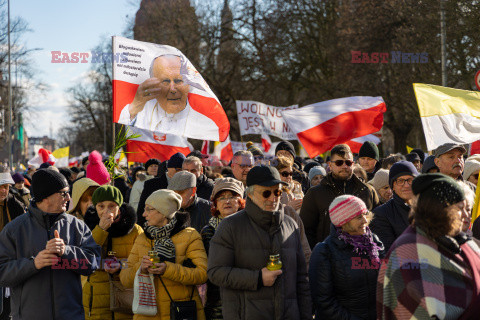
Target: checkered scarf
[[214, 221], [163, 245], [424, 279]]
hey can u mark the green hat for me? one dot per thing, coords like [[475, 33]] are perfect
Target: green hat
[[107, 193], [438, 186]]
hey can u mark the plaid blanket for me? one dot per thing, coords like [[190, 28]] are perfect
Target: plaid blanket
[[422, 280]]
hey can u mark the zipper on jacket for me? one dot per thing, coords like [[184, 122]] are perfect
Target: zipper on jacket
[[47, 221], [90, 302]]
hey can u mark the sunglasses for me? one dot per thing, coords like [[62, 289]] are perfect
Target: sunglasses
[[340, 163], [267, 193], [286, 174]]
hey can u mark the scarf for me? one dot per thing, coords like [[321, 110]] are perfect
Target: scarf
[[214, 221], [163, 245], [362, 244]]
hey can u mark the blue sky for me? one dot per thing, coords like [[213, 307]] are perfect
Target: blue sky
[[67, 26]]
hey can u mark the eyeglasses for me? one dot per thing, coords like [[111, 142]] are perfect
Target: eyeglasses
[[64, 194], [267, 193], [340, 163], [287, 174], [226, 199], [244, 166], [401, 182]]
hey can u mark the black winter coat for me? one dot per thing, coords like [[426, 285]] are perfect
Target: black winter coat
[[149, 187], [199, 212], [204, 187], [15, 209], [314, 211], [343, 283], [390, 220]]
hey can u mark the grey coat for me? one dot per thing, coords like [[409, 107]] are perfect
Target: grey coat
[[239, 250], [52, 293]]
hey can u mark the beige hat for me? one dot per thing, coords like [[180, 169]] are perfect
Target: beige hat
[[380, 179], [167, 202], [470, 167], [79, 188], [230, 184]]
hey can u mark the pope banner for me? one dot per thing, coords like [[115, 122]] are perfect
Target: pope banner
[[257, 118], [156, 88]]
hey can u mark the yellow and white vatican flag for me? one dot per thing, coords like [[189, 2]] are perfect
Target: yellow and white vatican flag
[[448, 115], [61, 155]]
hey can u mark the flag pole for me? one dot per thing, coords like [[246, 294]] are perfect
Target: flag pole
[[10, 108], [113, 96], [443, 36]]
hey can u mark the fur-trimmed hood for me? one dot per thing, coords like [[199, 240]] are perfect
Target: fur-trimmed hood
[[124, 226]]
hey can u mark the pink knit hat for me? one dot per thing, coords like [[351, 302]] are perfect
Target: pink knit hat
[[96, 170], [345, 208]]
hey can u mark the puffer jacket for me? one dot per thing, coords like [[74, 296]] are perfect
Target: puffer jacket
[[343, 283], [181, 277], [240, 248], [120, 238], [314, 211]]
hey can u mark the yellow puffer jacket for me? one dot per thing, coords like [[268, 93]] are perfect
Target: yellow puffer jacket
[[179, 280], [96, 291]]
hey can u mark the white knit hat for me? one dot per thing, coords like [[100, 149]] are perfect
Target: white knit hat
[[6, 178], [345, 208], [470, 167], [167, 202], [380, 179]]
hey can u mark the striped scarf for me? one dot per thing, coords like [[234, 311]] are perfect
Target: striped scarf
[[163, 245]]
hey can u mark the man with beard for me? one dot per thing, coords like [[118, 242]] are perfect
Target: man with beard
[[340, 180]]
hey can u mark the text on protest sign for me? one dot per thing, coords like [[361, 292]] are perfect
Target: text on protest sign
[[256, 117]]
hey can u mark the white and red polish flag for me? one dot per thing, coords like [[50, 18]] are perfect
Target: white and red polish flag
[[155, 145], [356, 144], [321, 126], [205, 147], [202, 116], [223, 150], [266, 142]]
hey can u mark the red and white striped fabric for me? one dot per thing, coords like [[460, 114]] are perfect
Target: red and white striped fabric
[[266, 142], [322, 125], [206, 119], [155, 145], [43, 156], [356, 144], [205, 147], [223, 150]]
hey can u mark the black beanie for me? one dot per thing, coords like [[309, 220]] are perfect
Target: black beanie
[[369, 149], [401, 168], [429, 164], [438, 186], [46, 182], [150, 162], [420, 153], [310, 165], [285, 145]]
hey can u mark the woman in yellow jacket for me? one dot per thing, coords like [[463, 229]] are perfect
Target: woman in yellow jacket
[[182, 254], [114, 228]]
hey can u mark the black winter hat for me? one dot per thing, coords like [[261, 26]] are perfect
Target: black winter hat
[[413, 157], [150, 162], [285, 145], [438, 186], [176, 161], [369, 149], [401, 168], [429, 164], [420, 153], [46, 182], [310, 165], [263, 175]]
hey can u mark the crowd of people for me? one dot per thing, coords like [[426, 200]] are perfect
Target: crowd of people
[[351, 236]]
